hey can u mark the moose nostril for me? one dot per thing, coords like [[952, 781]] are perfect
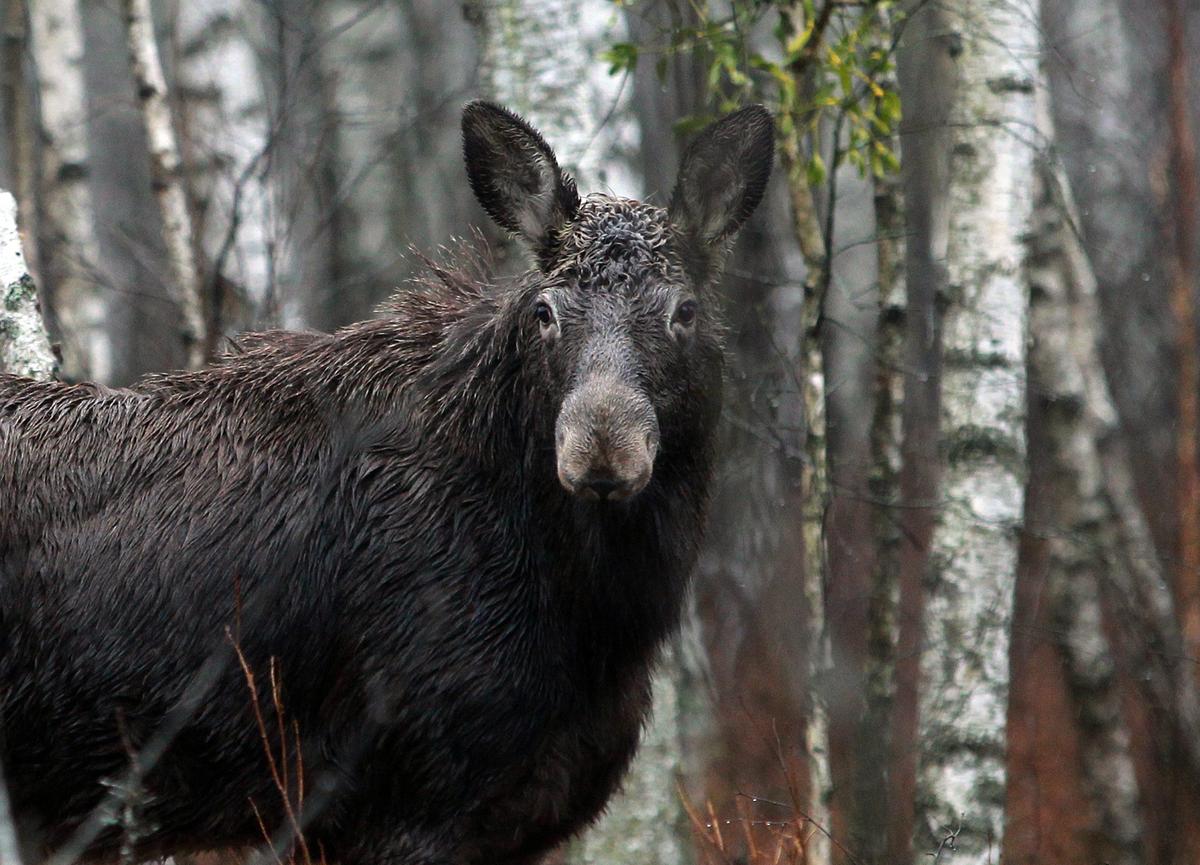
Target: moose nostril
[[602, 487]]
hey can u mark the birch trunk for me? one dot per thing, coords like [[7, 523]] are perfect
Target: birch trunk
[[1070, 528], [79, 308], [166, 171], [927, 78], [813, 489], [24, 350], [20, 125], [24, 345], [228, 145], [305, 234], [541, 60], [964, 663], [872, 741]]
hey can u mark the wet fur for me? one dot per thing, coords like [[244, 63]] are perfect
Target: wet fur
[[464, 648]]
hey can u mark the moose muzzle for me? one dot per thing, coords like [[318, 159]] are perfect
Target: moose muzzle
[[606, 440]]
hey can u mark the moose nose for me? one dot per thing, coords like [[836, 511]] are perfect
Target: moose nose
[[606, 438], [602, 487]]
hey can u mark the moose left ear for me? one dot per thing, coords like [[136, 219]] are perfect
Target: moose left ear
[[515, 176], [723, 175]]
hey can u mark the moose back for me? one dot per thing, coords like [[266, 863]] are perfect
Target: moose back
[[391, 594]]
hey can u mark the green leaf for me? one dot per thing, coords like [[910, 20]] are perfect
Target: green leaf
[[620, 57], [889, 106], [693, 123], [816, 170]]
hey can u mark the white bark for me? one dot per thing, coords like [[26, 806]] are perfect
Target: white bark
[[228, 142], [167, 178], [964, 661], [1064, 360], [56, 36], [24, 346], [21, 124], [541, 60], [815, 502], [644, 822]]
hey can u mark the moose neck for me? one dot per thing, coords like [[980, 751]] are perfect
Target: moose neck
[[614, 573], [617, 572]]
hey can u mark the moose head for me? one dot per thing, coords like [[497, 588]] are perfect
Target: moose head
[[621, 311]]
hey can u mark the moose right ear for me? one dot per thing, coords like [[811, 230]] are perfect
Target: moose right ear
[[723, 175], [515, 176]]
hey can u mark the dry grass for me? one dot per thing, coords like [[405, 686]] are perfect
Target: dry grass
[[764, 832], [288, 845]]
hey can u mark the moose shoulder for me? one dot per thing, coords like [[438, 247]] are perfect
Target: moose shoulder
[[446, 544]]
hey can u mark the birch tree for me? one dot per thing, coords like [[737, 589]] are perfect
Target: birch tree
[[964, 654], [166, 170], [305, 228], [71, 249], [24, 345], [1072, 792], [19, 121], [397, 76], [227, 144]]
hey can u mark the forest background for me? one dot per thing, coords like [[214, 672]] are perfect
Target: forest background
[[949, 604]]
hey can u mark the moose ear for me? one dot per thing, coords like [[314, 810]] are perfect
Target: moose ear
[[514, 174], [723, 175]]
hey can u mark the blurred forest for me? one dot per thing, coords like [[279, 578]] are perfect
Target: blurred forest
[[949, 606]]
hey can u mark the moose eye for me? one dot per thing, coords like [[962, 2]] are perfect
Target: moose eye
[[545, 318], [686, 313]]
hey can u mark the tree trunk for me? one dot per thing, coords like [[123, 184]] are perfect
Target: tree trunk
[[305, 232], [228, 147], [964, 666], [166, 171], [1184, 204], [1072, 793], [927, 77], [19, 147], [70, 250], [24, 346], [871, 743]]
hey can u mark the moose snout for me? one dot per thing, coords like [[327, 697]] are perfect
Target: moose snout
[[606, 441]]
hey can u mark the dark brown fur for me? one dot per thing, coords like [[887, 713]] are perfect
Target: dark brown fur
[[463, 646]]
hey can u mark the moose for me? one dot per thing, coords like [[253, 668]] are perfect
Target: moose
[[447, 545]]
